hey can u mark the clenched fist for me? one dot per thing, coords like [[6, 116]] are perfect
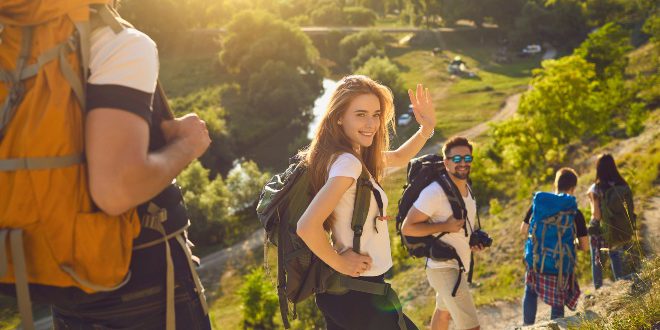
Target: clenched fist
[[190, 130]]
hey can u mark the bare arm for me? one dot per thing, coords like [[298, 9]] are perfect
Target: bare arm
[[417, 224], [425, 115], [594, 201], [122, 173], [583, 243], [310, 229], [524, 229]]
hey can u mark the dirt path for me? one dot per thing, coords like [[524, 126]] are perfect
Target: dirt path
[[650, 216], [213, 265]]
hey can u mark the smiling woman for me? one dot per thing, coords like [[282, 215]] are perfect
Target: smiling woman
[[351, 144]]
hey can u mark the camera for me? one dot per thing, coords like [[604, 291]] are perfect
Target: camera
[[480, 237]]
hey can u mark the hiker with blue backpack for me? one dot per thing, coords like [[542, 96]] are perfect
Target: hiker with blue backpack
[[551, 225], [436, 220], [613, 219], [326, 212]]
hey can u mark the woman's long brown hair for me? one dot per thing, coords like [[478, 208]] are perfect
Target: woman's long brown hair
[[330, 140]]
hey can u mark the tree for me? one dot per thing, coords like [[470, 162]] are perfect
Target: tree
[[606, 48], [255, 37], [245, 181], [503, 12], [556, 111], [424, 12], [149, 16], [652, 27], [207, 203], [600, 12], [558, 22], [366, 53], [350, 44], [278, 78], [221, 211], [328, 14], [388, 74], [359, 16]]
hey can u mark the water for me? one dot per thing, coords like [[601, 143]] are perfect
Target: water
[[320, 105]]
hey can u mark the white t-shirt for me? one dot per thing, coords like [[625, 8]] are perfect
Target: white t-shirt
[[374, 242], [433, 202], [128, 58], [123, 71]]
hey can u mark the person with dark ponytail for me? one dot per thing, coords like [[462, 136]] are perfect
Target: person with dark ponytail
[[612, 219]]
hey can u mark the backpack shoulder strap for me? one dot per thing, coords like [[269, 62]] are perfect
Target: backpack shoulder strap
[[364, 189], [451, 191], [458, 208]]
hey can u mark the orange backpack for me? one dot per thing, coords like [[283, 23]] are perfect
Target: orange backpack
[[50, 232]]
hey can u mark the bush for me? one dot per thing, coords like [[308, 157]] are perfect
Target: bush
[[258, 301], [221, 211]]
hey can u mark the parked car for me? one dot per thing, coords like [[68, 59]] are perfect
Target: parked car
[[404, 119], [530, 50]]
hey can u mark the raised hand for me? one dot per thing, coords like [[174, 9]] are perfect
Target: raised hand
[[423, 108]]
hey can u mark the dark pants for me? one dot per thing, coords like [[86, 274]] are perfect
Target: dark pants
[[530, 302], [617, 261], [359, 310], [140, 304]]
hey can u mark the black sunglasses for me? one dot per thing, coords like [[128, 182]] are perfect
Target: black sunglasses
[[457, 158]]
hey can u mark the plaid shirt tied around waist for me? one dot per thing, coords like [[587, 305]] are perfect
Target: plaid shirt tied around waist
[[553, 293]]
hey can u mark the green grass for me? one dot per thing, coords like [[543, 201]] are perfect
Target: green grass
[[638, 309], [460, 103]]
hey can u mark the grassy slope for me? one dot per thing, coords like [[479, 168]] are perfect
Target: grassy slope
[[499, 272], [460, 103]]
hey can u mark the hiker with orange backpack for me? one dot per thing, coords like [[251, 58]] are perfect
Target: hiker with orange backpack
[[90, 216], [552, 225], [613, 220]]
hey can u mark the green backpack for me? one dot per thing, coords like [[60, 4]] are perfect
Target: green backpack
[[300, 273], [618, 217]]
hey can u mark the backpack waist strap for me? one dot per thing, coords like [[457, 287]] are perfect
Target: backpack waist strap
[[380, 289]]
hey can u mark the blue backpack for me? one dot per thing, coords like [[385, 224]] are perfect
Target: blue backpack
[[550, 247]]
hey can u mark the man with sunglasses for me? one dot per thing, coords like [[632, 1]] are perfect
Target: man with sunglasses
[[432, 214]]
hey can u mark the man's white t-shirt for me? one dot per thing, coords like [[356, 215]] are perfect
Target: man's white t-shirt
[[433, 202], [375, 240]]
